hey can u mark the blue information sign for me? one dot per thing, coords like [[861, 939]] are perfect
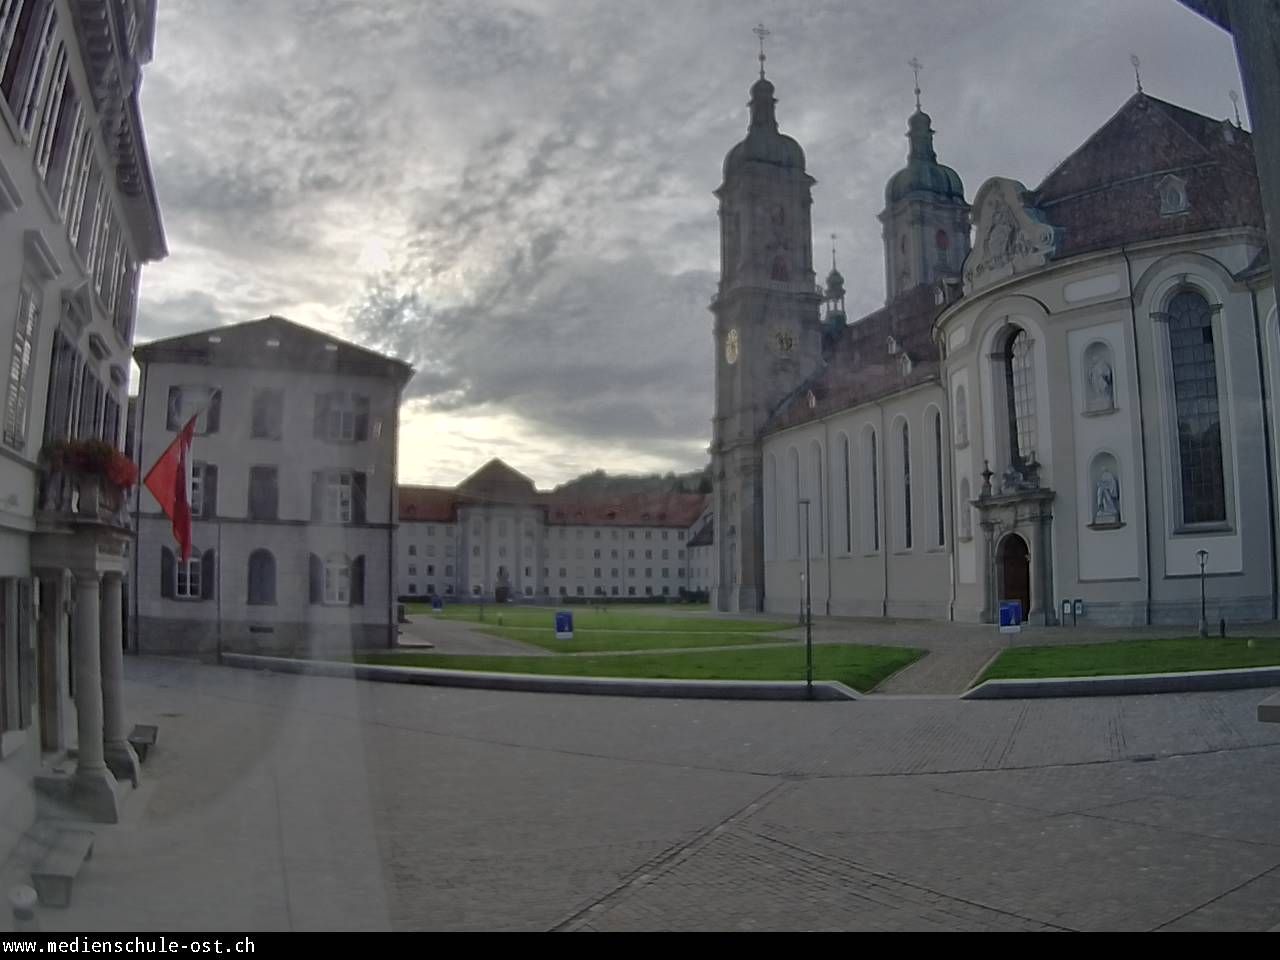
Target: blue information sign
[[437, 604], [1011, 616], [564, 625]]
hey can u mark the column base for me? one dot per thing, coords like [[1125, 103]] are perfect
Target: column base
[[122, 761], [93, 796]]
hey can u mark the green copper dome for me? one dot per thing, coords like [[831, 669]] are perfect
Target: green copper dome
[[763, 143], [923, 173]]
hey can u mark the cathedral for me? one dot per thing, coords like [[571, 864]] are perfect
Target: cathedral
[[1067, 398]]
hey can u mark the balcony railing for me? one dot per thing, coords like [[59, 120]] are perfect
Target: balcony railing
[[86, 481]]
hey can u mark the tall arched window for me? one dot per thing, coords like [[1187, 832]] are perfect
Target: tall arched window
[[940, 515], [1020, 397], [874, 467], [793, 471], [906, 486], [262, 577], [848, 495], [770, 508], [817, 520], [1195, 390]]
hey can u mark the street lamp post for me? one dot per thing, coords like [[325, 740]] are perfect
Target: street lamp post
[[808, 609], [1202, 556]]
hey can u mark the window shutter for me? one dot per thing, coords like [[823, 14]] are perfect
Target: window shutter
[[207, 575], [359, 493], [317, 495], [322, 414], [175, 409], [210, 492], [214, 416], [357, 581], [272, 495], [362, 417], [168, 570], [317, 579]]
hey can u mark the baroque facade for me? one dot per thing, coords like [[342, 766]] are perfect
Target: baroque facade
[[1071, 400], [78, 218]]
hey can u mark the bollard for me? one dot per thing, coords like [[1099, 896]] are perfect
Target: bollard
[[1222, 627], [23, 900]]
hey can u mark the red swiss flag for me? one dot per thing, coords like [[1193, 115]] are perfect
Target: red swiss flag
[[168, 482]]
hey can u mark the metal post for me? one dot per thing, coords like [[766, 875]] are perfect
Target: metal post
[[1202, 556], [808, 609]]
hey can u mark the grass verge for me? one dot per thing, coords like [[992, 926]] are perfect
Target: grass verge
[[1134, 657]]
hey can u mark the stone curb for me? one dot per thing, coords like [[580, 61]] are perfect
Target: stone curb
[[1242, 679], [1269, 712], [827, 690]]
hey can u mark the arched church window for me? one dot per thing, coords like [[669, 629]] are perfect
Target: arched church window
[[848, 497], [906, 486], [942, 241], [816, 518], [940, 516], [1020, 397], [1195, 390], [780, 271]]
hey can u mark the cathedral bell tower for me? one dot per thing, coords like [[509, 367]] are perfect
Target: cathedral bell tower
[[926, 219], [768, 334]]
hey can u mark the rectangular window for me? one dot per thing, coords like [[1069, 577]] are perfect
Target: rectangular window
[[201, 402], [648, 571], [597, 555], [431, 569], [338, 497], [56, 104], [337, 581], [187, 584], [596, 572], [196, 498], [666, 571], [413, 570], [680, 535], [17, 394], [268, 414], [413, 551], [341, 417], [264, 493], [33, 33]]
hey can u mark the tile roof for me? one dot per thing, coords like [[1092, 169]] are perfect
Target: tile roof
[[1105, 193], [860, 369]]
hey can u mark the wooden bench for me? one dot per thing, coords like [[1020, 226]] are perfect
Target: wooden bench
[[54, 874], [143, 738]]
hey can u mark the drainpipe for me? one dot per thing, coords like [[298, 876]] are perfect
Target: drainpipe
[[1266, 440], [1142, 428], [134, 588]]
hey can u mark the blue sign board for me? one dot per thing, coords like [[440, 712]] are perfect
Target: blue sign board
[[1010, 616], [437, 604], [564, 625]]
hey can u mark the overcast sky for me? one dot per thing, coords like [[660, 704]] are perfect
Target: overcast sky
[[515, 196]]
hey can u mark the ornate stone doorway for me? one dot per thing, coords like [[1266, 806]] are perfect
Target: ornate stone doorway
[[1014, 564]]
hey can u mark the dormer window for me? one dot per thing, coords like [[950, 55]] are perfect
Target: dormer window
[[1173, 196]]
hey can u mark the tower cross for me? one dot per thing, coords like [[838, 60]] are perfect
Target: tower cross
[[761, 32], [916, 66], [1137, 69], [834, 236]]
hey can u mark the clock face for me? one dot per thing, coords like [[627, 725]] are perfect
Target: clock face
[[731, 347], [783, 341]]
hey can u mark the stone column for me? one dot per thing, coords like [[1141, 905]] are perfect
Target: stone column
[[989, 573], [93, 789], [119, 755]]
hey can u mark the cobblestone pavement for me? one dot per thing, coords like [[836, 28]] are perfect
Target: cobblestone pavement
[[275, 801]]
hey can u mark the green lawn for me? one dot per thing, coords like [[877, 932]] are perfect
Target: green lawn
[[603, 640], [612, 618], [1133, 656], [857, 666]]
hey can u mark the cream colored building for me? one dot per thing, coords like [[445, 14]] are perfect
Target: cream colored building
[[293, 492], [496, 536]]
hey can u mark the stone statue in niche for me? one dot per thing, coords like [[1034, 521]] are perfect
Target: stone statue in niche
[[1106, 505], [1101, 384]]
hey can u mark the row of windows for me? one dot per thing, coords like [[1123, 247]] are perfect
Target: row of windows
[[41, 96], [335, 579], [339, 416], [337, 496], [797, 499], [79, 405]]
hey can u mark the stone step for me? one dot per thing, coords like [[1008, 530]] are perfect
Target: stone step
[[55, 872], [143, 738]]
